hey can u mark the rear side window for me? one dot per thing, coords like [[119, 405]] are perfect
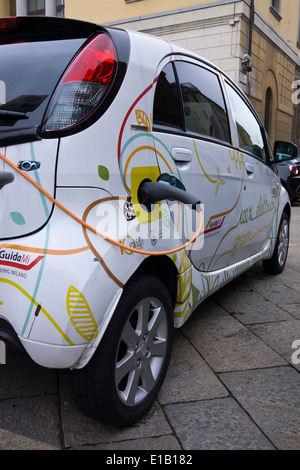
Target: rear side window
[[167, 107], [29, 73], [248, 129], [203, 101]]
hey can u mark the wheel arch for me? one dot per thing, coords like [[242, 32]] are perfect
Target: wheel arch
[[286, 187], [287, 210], [162, 268]]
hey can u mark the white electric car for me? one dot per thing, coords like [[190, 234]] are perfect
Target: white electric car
[[135, 180]]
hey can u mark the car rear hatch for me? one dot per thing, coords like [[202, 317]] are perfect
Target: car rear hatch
[[34, 53]]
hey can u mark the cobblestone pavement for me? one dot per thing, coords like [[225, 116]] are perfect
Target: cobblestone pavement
[[232, 381]]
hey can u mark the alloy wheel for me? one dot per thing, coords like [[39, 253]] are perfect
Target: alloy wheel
[[141, 352]]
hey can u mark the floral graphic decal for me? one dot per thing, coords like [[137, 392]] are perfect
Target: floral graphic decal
[[80, 314], [142, 119]]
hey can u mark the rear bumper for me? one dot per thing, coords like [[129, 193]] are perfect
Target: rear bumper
[[53, 356], [46, 355]]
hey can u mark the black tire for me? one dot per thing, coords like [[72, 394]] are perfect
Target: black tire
[[123, 378], [276, 264]]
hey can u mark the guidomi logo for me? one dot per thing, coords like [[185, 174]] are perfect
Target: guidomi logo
[[17, 260]]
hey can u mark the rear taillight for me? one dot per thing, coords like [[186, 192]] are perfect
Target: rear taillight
[[83, 85], [294, 169]]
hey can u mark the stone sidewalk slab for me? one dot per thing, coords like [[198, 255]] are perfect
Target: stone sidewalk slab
[[21, 377], [169, 443], [280, 337], [79, 430], [250, 308], [293, 309], [225, 343], [271, 398], [219, 424], [273, 290], [30, 423], [188, 367]]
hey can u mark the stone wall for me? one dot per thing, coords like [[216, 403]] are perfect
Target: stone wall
[[272, 68]]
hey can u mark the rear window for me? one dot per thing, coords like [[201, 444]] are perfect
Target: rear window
[[29, 72]]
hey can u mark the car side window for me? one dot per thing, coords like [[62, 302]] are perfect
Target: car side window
[[203, 101], [249, 131], [167, 106]]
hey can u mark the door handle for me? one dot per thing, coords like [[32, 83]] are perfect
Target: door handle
[[249, 169], [182, 154], [5, 178]]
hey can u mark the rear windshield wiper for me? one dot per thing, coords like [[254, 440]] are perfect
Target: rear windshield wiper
[[6, 115]]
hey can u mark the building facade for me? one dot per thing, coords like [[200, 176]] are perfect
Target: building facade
[[226, 32], [256, 42]]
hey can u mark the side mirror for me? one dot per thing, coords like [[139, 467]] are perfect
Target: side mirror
[[284, 151]]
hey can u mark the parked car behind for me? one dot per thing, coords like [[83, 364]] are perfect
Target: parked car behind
[[136, 179], [288, 164]]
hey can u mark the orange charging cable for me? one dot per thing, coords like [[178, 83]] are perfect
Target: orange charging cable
[[92, 229]]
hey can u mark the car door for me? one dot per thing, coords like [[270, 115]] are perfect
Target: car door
[[261, 187], [191, 127]]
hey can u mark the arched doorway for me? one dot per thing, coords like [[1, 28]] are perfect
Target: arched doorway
[[270, 98], [268, 110]]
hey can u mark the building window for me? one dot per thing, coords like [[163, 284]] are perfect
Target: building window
[[60, 7], [36, 7], [277, 5], [275, 9]]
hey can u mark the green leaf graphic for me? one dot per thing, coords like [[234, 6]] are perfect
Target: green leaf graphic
[[103, 172]]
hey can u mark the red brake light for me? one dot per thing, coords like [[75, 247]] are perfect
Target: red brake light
[[294, 169], [83, 85], [94, 64]]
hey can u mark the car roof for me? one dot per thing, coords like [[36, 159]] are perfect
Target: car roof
[[172, 49]]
